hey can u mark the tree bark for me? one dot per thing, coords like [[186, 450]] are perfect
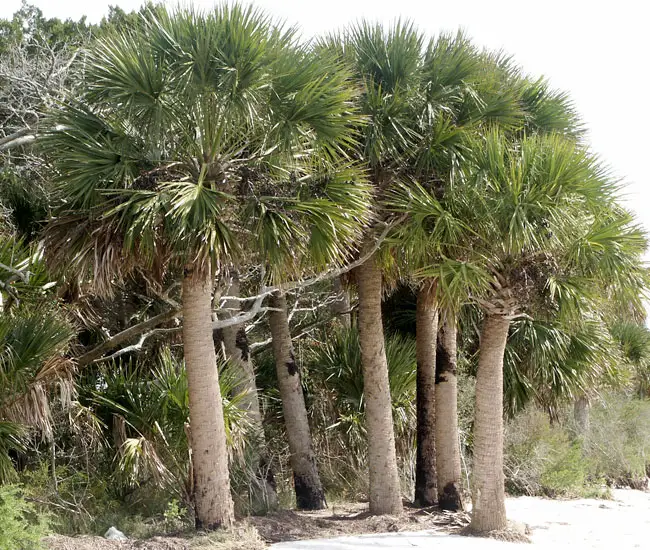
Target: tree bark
[[384, 492], [212, 498], [235, 342], [426, 319], [341, 305], [447, 444], [309, 491], [581, 408], [488, 492]]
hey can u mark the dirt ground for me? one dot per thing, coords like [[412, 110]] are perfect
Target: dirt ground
[[623, 522], [286, 525], [352, 519], [59, 542]]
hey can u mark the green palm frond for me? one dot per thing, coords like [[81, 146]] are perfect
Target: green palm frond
[[186, 134], [33, 343], [91, 152], [551, 363], [547, 110], [338, 362]]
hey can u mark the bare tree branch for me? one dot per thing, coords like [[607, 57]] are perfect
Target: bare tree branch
[[126, 335], [138, 346], [324, 276], [17, 142]]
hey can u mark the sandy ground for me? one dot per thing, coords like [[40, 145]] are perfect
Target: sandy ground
[[619, 524]]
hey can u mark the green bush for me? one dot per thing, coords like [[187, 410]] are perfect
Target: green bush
[[541, 459], [21, 527], [559, 460], [618, 441]]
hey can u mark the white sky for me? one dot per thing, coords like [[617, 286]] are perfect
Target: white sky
[[596, 50]]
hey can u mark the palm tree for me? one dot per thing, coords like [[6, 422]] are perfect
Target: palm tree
[[552, 232], [462, 91], [528, 226], [387, 68], [174, 150]]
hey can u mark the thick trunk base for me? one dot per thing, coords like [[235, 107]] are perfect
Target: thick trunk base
[[212, 498], [488, 492]]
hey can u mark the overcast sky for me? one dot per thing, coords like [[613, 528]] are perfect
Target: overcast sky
[[596, 50]]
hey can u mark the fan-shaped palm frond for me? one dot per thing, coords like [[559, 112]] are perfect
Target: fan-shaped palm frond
[[338, 364], [148, 410], [32, 347], [551, 363]]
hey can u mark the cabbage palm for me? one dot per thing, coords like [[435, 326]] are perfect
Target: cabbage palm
[[462, 91], [187, 136], [467, 93], [547, 232], [387, 65], [527, 226]]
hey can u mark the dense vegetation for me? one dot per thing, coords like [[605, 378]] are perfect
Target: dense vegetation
[[240, 272]]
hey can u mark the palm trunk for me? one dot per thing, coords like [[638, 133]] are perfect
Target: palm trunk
[[341, 305], [447, 444], [488, 493], [425, 339], [309, 491], [235, 343], [384, 493], [581, 414], [213, 502]]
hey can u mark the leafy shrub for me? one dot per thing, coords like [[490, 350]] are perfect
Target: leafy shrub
[[21, 528], [618, 440], [541, 459]]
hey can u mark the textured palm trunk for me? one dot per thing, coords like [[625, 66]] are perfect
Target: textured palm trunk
[[235, 342], [447, 444], [213, 502], [488, 493], [341, 304], [384, 492], [309, 491], [426, 319], [581, 408]]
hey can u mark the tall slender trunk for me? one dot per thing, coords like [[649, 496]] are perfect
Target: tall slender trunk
[[309, 491], [341, 304], [384, 493], [212, 498], [447, 444], [426, 330], [488, 493], [235, 342], [581, 408]]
